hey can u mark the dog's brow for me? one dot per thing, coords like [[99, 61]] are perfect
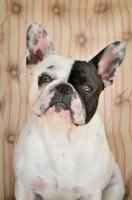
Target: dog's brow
[[50, 67]]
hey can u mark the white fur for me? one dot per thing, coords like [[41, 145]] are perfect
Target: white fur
[[59, 73], [58, 160]]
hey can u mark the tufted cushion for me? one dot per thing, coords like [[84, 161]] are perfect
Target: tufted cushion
[[78, 29]]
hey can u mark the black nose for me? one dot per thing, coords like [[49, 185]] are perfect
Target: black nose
[[64, 89]]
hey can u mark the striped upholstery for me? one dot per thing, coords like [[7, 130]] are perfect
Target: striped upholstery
[[78, 29]]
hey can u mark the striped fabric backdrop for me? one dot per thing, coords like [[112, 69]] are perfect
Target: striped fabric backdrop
[[79, 29]]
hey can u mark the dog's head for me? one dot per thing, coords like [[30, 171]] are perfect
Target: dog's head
[[65, 84]]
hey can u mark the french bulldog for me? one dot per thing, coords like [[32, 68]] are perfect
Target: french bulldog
[[62, 152]]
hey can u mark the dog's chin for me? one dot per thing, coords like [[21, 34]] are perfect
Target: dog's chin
[[60, 106], [59, 114]]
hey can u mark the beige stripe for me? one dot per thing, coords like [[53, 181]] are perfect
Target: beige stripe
[[29, 12], [13, 47], [38, 11], [5, 41], [15, 102], [21, 42], [3, 11], [82, 15], [2, 131], [3, 76]]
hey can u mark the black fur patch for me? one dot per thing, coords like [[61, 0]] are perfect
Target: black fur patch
[[38, 197], [82, 74]]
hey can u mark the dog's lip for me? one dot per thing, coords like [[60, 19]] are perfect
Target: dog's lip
[[63, 104], [59, 103]]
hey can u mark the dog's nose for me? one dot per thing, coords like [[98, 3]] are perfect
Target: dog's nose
[[64, 89]]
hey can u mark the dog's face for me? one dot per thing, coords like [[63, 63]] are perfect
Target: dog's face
[[65, 84]]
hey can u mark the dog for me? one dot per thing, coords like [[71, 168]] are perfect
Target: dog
[[62, 152]]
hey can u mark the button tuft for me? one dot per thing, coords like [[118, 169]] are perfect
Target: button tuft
[[102, 8], [56, 10], [13, 72], [11, 138], [127, 36], [82, 39], [16, 9], [117, 100]]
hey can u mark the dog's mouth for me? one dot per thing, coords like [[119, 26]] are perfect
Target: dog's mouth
[[62, 107], [60, 102], [59, 106]]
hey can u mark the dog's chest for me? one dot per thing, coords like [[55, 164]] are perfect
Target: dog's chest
[[67, 165]]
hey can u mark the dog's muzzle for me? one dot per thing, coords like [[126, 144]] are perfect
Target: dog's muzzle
[[62, 97]]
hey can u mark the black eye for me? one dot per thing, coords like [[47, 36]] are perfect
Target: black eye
[[87, 88], [45, 78]]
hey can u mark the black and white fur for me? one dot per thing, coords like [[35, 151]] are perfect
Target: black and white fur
[[62, 152]]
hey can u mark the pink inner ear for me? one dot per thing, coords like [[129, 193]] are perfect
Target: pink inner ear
[[106, 65], [38, 43], [103, 67], [42, 45], [41, 42]]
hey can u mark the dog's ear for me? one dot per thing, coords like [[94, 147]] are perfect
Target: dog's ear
[[108, 61], [39, 45]]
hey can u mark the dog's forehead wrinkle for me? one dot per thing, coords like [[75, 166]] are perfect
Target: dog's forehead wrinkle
[[51, 67], [57, 60], [55, 65]]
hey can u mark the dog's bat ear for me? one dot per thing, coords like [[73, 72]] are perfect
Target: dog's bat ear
[[39, 45], [108, 61]]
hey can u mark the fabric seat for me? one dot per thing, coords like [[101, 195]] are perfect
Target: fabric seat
[[78, 29]]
